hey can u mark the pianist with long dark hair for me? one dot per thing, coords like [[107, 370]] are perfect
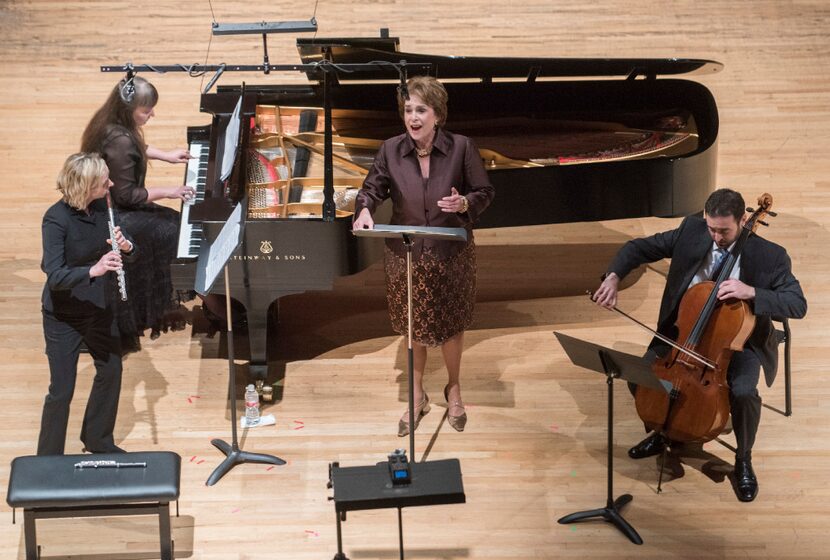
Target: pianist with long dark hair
[[435, 178], [80, 268], [115, 131]]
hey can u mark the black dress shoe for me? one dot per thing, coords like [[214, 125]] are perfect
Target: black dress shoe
[[652, 445], [746, 484]]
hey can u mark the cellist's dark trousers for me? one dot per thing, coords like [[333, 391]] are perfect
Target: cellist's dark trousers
[[744, 401]]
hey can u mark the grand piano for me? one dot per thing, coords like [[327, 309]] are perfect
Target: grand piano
[[563, 140]]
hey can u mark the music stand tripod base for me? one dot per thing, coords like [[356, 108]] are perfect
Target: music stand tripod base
[[612, 364], [235, 456], [609, 513]]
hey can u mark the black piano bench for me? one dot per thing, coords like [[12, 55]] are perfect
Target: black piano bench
[[52, 486]]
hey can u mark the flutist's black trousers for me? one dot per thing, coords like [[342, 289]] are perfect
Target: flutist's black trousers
[[64, 334]]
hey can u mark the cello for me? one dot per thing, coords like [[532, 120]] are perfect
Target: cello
[[709, 331]]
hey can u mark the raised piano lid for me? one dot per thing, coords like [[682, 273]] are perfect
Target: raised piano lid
[[582, 184], [365, 50]]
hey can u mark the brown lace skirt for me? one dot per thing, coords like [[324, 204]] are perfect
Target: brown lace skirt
[[443, 294]]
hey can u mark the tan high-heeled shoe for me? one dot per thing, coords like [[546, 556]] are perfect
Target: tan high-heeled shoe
[[420, 411], [457, 422]]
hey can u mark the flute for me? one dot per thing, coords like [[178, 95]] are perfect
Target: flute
[[122, 281], [108, 464]]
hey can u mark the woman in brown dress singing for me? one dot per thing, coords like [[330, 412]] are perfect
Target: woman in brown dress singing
[[435, 178]]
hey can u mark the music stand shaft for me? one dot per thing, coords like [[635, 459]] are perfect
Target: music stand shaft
[[408, 241], [610, 431], [233, 455], [231, 356], [340, 555]]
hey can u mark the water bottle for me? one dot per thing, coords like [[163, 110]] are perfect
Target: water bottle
[[251, 406]]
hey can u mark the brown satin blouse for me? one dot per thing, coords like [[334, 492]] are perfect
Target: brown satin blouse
[[396, 173]]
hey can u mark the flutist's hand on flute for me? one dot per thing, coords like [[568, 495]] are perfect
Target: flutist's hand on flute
[[123, 243], [111, 261]]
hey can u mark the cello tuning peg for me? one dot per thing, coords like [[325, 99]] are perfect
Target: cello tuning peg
[[763, 223], [771, 213], [750, 209]]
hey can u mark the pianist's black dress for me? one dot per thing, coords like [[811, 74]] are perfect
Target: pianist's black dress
[[155, 229]]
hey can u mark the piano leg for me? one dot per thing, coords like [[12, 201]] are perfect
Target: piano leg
[[258, 314]]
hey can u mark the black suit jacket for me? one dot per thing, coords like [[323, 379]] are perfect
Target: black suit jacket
[[764, 266], [73, 241]]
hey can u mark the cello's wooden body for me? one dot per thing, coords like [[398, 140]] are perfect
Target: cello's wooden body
[[701, 409]]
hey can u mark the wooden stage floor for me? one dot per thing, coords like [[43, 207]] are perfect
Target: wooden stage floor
[[534, 449]]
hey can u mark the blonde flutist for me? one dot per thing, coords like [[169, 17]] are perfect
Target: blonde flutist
[[78, 257]]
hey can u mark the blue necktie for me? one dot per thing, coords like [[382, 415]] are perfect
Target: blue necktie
[[717, 262]]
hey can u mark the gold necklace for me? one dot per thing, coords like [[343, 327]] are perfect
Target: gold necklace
[[423, 152]]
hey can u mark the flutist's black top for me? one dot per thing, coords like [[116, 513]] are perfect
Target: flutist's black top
[[73, 241]]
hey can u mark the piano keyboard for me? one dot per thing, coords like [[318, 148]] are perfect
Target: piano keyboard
[[190, 235]]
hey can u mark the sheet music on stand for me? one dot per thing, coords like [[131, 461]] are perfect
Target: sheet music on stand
[[231, 141], [213, 256], [383, 230]]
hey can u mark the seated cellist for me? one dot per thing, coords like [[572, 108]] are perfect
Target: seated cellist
[[762, 276]]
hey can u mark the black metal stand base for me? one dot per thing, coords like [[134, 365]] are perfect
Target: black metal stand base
[[235, 456], [611, 514]]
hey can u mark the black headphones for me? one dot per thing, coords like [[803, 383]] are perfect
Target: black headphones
[[127, 89]]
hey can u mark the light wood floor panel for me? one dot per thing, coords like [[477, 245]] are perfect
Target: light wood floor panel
[[534, 449]]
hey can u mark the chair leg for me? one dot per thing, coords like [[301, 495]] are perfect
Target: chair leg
[[165, 537], [788, 395], [30, 534]]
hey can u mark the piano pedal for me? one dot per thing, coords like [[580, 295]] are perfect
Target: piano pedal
[[266, 392]]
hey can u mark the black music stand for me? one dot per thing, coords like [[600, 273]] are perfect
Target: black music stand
[[612, 364], [213, 257], [408, 234], [362, 488]]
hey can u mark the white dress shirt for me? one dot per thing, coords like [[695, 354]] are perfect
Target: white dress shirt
[[710, 264]]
